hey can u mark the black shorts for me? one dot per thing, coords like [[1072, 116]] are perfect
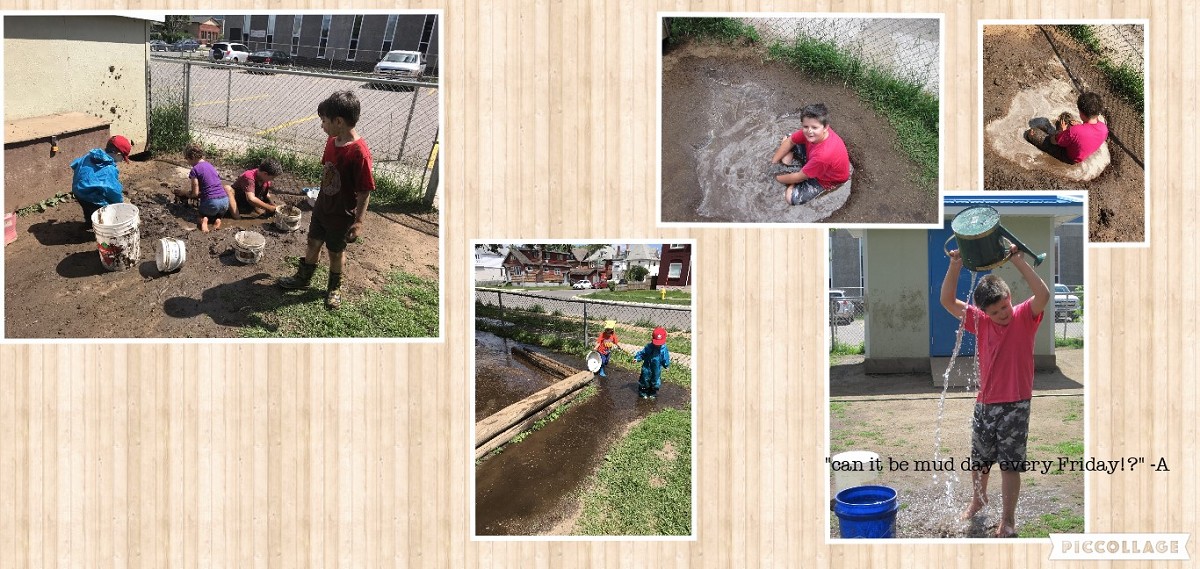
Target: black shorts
[[335, 241], [998, 434]]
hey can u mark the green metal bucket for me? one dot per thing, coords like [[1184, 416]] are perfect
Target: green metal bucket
[[983, 243]]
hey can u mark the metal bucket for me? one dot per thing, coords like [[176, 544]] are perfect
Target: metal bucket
[[594, 362], [983, 243]]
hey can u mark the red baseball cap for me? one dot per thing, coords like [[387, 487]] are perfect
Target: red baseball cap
[[122, 145], [660, 336]]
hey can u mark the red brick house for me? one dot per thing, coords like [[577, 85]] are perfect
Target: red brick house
[[675, 267], [207, 30], [529, 264]]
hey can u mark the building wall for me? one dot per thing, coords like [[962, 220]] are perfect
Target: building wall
[[370, 38], [683, 256], [1070, 248], [89, 64], [845, 269], [897, 323]]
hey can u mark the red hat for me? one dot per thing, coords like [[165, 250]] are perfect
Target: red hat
[[660, 336], [122, 145]]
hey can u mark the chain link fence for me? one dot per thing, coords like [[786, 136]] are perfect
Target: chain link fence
[[581, 319], [905, 48], [1109, 60], [240, 106], [1068, 311]]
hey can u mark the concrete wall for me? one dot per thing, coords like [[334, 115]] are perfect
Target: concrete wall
[[844, 268], [90, 64], [897, 324], [1070, 249]]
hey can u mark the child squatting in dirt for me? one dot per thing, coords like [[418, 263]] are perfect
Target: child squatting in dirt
[[346, 186], [1073, 140], [814, 158], [654, 357], [204, 183], [252, 190], [1005, 336], [95, 182]]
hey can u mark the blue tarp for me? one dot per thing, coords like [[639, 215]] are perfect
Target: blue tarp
[[95, 179]]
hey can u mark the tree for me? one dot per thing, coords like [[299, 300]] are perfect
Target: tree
[[175, 28], [637, 273]]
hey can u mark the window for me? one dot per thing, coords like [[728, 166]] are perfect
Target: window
[[296, 34], [389, 35], [350, 55], [271, 31], [427, 33], [673, 246], [324, 36], [675, 270]]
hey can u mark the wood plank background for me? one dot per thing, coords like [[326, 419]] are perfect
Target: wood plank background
[[356, 455]]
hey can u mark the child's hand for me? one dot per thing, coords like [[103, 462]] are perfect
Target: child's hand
[[353, 231], [955, 257]]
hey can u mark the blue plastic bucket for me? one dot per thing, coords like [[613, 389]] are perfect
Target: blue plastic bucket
[[866, 511]]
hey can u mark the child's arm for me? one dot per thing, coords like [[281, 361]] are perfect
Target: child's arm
[[950, 302], [783, 150], [1041, 292], [359, 211], [638, 356], [666, 357], [253, 199]]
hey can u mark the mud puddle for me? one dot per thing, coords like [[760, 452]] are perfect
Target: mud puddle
[[534, 485], [502, 379]]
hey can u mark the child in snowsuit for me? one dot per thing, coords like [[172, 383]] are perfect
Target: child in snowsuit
[[605, 344], [654, 358]]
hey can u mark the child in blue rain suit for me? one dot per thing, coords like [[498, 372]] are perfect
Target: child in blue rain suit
[[654, 358]]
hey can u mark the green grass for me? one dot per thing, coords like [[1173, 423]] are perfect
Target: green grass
[[1068, 342], [168, 129], [727, 30], [676, 297], [1074, 410], [1126, 82], [843, 349], [837, 409], [1063, 521], [407, 307], [644, 486], [911, 111]]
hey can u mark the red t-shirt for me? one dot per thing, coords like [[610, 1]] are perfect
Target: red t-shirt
[[828, 161], [600, 342], [1005, 353], [1081, 140], [347, 172]]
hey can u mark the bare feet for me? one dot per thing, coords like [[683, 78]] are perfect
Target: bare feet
[[973, 508], [217, 223], [1006, 530], [204, 224]]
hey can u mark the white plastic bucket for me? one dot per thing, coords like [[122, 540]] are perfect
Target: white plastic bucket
[[853, 468], [248, 246], [117, 235], [171, 254], [310, 194], [287, 218]]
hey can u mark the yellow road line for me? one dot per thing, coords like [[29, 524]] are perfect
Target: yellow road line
[[285, 125], [221, 101]]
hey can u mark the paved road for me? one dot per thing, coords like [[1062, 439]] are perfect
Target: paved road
[[563, 301]]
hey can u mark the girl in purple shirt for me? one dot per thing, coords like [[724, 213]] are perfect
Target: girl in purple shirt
[[205, 185]]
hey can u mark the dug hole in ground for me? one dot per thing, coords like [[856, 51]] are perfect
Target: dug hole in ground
[[56, 286]]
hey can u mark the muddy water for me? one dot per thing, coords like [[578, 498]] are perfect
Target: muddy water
[[733, 161], [534, 484], [500, 378]]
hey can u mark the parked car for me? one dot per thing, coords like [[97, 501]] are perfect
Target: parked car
[[601, 283], [841, 310], [228, 51], [582, 284], [185, 45], [1065, 303], [159, 45], [400, 64], [272, 57]]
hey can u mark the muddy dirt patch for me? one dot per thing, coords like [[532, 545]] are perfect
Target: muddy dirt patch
[[56, 287], [725, 111], [533, 487], [1019, 60]]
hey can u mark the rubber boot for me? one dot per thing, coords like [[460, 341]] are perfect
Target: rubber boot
[[302, 278], [333, 296]]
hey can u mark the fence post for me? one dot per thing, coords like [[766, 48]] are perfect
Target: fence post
[[228, 96], [187, 95], [500, 303], [431, 189], [585, 332], [408, 123]]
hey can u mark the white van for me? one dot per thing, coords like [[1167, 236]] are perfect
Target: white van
[[402, 64]]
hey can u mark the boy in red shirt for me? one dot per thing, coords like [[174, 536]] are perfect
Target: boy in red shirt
[[346, 186], [1073, 140], [1005, 336], [818, 152], [252, 190]]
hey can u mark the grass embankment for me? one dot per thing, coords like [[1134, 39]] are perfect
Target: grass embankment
[[644, 486], [674, 297], [407, 307], [1124, 79], [562, 333]]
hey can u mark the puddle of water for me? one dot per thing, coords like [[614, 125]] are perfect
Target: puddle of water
[[733, 163], [531, 486], [500, 378]]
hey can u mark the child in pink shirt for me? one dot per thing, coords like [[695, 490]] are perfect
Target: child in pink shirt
[[1074, 140], [818, 153], [1005, 336]]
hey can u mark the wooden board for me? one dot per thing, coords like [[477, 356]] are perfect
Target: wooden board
[[358, 454]]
